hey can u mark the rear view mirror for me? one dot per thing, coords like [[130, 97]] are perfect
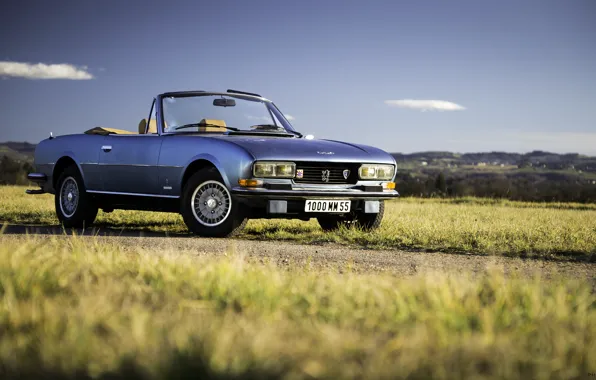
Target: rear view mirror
[[224, 102]]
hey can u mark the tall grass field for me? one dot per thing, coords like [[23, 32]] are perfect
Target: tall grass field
[[71, 308], [471, 225]]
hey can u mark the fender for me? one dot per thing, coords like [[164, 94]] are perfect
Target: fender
[[72, 156], [214, 161]]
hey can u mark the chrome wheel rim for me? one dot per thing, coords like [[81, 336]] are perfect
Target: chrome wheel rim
[[211, 203], [69, 197]]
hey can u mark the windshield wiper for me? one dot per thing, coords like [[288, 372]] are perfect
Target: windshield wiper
[[268, 127], [196, 125], [275, 127]]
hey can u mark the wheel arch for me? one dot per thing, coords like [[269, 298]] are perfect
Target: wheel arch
[[199, 163], [60, 165]]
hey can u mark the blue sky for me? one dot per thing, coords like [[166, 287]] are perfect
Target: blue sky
[[507, 75]]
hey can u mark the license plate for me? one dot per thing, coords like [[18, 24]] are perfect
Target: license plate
[[320, 205]]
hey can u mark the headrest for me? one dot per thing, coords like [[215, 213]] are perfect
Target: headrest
[[143, 126], [205, 128]]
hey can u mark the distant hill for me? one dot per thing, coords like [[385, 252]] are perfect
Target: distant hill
[[535, 159], [535, 176], [16, 160], [18, 151]]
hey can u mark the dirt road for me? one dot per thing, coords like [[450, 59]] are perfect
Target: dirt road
[[327, 257]]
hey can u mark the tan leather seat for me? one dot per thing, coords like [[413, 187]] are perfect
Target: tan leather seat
[[107, 131], [143, 126], [205, 128]]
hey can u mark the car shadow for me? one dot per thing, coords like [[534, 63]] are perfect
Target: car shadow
[[45, 229]]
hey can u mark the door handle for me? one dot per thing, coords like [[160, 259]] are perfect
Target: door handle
[[106, 148]]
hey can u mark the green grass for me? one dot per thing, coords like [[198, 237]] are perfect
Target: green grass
[[72, 308], [482, 226]]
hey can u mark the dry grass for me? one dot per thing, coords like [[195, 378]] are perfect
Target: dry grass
[[72, 308], [485, 226]]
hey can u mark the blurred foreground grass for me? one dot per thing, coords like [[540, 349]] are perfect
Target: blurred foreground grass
[[74, 308], [475, 225]]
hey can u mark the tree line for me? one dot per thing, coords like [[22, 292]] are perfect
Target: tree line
[[522, 186], [14, 172], [518, 185]]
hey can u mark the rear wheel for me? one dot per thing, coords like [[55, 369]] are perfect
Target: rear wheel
[[208, 208], [74, 207], [360, 219]]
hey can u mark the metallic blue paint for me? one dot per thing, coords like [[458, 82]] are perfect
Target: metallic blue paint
[[156, 164]]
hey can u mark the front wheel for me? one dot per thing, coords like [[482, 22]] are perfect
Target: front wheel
[[74, 207], [366, 221], [208, 208]]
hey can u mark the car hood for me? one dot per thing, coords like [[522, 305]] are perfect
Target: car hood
[[300, 149]]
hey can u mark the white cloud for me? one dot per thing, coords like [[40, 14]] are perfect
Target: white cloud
[[43, 71], [425, 105], [290, 117]]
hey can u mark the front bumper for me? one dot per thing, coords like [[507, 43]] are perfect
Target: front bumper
[[40, 179], [303, 194], [289, 201]]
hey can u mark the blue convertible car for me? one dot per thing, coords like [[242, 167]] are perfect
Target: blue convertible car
[[217, 158]]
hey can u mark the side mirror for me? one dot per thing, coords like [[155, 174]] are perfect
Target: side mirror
[[224, 102], [309, 137]]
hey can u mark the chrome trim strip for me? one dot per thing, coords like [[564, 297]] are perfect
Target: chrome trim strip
[[36, 176], [301, 194], [111, 164], [133, 194], [142, 165], [139, 165]]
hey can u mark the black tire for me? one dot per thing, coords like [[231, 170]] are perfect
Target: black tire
[[330, 222], [359, 219], [370, 222], [225, 219], [74, 207]]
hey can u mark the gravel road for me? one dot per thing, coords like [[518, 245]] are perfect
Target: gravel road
[[326, 257]]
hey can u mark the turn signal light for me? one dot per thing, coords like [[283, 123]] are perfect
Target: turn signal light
[[250, 182], [389, 185]]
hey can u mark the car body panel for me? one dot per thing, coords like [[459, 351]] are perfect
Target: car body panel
[[131, 163], [156, 165], [82, 149], [178, 152], [296, 149]]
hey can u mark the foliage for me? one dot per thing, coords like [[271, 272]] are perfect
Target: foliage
[[13, 172], [535, 176], [74, 308], [471, 225]]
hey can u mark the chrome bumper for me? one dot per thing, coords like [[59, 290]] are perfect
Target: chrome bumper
[[38, 178], [310, 194]]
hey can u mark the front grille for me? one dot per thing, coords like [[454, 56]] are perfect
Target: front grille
[[313, 172]]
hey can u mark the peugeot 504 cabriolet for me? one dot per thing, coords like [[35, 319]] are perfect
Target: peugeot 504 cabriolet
[[219, 159]]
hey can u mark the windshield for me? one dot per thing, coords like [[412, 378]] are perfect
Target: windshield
[[222, 113]]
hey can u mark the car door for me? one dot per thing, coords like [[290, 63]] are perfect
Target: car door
[[129, 163], [86, 149]]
